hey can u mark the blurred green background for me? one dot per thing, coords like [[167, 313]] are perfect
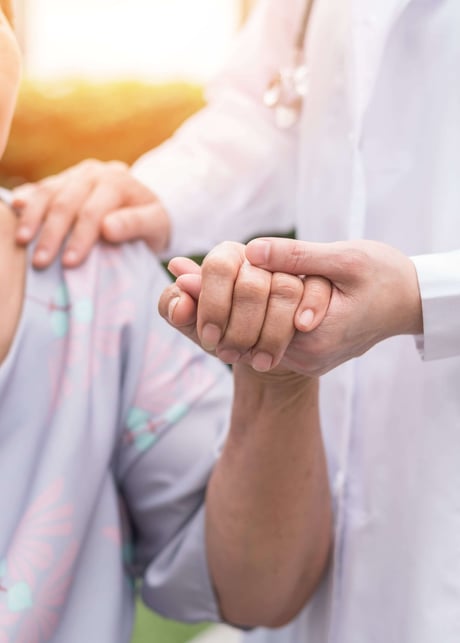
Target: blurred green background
[[151, 628]]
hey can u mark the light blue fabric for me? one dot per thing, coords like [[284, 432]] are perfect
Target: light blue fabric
[[110, 423]]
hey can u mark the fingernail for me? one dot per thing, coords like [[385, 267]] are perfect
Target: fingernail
[[70, 256], [262, 362], [23, 233], [172, 307], [210, 337], [258, 251], [229, 356], [41, 256], [306, 318]]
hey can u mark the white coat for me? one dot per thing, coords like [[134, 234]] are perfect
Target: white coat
[[376, 155]]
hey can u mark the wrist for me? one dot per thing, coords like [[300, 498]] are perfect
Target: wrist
[[278, 391], [277, 378], [411, 309]]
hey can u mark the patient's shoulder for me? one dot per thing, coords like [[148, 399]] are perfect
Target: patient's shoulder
[[12, 278]]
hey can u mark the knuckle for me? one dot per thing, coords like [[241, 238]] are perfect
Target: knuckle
[[224, 261], [218, 265], [254, 281], [61, 207], [88, 215], [44, 189], [284, 286], [238, 341], [89, 165], [317, 288], [244, 295], [299, 257], [136, 219], [118, 166]]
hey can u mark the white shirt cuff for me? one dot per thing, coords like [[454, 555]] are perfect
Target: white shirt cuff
[[439, 282]]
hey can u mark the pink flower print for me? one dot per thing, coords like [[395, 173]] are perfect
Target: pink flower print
[[113, 311], [121, 536], [7, 620], [31, 551], [142, 429], [30, 557], [113, 534], [48, 599], [7, 617], [104, 266], [95, 330], [158, 375], [173, 375]]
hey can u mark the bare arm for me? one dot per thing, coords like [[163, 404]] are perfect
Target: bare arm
[[268, 505], [269, 515]]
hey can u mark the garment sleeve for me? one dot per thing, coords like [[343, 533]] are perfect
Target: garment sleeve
[[174, 421], [439, 281], [229, 172]]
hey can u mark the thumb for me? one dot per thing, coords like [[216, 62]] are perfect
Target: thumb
[[329, 260], [179, 309], [148, 222]]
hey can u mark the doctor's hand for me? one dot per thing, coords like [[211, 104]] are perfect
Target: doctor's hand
[[375, 295], [90, 200], [239, 312]]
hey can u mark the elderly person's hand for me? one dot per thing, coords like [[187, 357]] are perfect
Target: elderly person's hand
[[375, 295], [88, 201], [240, 312]]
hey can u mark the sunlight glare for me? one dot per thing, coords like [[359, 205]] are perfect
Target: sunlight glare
[[148, 39]]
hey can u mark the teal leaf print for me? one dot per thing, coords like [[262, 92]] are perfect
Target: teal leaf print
[[141, 429], [60, 323], [84, 311], [176, 412], [137, 419], [19, 597], [60, 311]]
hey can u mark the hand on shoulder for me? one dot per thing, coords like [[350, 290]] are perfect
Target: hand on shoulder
[[89, 201]]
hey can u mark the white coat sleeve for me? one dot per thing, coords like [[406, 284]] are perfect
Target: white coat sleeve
[[439, 281], [229, 172]]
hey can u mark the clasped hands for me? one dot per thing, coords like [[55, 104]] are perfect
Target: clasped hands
[[293, 305]]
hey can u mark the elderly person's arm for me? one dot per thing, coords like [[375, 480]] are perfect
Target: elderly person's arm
[[268, 516], [268, 504]]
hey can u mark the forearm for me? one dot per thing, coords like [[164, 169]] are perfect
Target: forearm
[[268, 504], [229, 172]]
